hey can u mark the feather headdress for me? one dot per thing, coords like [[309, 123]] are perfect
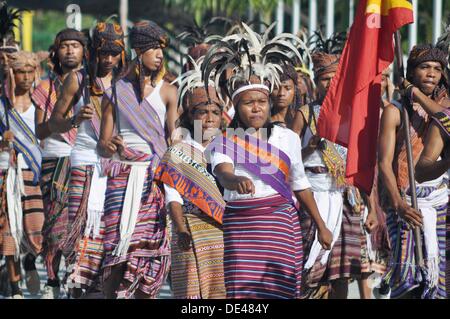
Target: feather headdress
[[332, 45], [191, 80], [443, 42], [8, 18], [238, 59]]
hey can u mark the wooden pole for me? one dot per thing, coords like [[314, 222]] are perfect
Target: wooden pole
[[412, 180]]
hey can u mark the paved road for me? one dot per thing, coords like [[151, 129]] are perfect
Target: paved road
[[164, 294]]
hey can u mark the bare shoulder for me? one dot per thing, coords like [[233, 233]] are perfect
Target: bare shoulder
[[169, 92], [391, 115]]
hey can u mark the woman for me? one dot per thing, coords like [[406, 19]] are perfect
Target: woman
[[261, 170], [193, 198]]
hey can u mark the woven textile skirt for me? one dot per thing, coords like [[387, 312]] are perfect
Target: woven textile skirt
[[33, 217], [198, 273], [148, 257], [55, 177], [263, 254]]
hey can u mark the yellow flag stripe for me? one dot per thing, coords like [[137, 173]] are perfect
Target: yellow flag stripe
[[383, 6]]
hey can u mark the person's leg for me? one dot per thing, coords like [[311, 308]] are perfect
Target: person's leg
[[365, 291], [112, 282], [339, 289], [14, 275]]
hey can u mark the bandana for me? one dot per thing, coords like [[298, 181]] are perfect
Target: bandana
[[324, 63], [147, 35]]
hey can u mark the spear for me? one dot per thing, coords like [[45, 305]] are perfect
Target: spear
[[412, 180]]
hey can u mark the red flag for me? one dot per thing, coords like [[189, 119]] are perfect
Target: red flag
[[349, 115]]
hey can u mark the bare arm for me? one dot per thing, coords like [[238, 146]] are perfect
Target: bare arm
[[107, 144], [172, 109], [42, 126], [225, 175], [58, 122], [429, 105], [298, 124], [390, 120], [428, 167], [184, 236]]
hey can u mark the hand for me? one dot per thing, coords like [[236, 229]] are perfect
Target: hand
[[371, 222], [184, 239], [8, 136], [314, 142], [86, 113], [410, 215], [119, 143], [406, 89], [244, 185], [325, 238]]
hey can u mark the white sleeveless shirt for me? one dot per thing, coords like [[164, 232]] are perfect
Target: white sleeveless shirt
[[84, 151]]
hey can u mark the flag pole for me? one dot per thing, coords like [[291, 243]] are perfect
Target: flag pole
[[412, 180]]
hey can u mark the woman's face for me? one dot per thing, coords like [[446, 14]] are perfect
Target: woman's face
[[254, 109], [211, 118], [284, 95]]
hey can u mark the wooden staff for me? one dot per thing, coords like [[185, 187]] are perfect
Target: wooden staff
[[412, 180]]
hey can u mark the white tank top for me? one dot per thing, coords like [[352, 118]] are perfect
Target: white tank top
[[28, 118], [54, 146], [131, 138], [84, 151]]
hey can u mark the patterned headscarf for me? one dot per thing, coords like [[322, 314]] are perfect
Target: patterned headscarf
[[107, 38], [21, 59], [146, 35], [324, 63], [424, 53], [64, 35]]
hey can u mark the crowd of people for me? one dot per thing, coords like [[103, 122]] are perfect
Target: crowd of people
[[216, 180]]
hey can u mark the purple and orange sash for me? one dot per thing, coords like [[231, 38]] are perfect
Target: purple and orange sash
[[141, 115], [260, 158], [45, 97], [183, 168]]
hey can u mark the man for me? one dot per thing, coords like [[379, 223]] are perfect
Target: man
[[142, 107], [21, 214], [343, 207], [66, 55], [425, 88], [82, 92]]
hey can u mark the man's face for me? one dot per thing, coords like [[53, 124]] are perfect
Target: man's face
[[24, 78], [426, 76], [70, 54], [108, 61], [284, 95], [153, 59], [323, 83]]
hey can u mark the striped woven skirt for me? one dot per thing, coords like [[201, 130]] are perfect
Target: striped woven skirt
[[348, 258], [55, 176], [197, 273], [402, 274], [447, 253], [148, 257], [263, 256], [33, 217], [84, 254]]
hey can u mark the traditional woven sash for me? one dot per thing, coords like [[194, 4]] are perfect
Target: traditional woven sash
[[25, 142], [183, 167], [141, 115], [333, 155], [264, 160], [45, 97], [443, 120]]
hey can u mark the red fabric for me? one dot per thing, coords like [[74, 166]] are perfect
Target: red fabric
[[350, 113]]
